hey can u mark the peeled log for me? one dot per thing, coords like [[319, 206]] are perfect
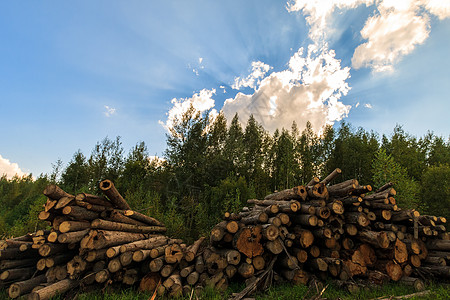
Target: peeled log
[[54, 289], [107, 186]]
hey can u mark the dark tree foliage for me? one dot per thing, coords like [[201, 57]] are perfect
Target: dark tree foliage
[[210, 167]]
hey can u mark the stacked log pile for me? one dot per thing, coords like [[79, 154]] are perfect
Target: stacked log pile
[[92, 239], [344, 231]]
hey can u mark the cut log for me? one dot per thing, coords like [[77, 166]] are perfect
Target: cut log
[[304, 237], [76, 267], [55, 192], [63, 202], [108, 188], [247, 241], [404, 215], [307, 220], [17, 274], [80, 213], [149, 282], [93, 199], [54, 289], [114, 265], [394, 270], [298, 193], [58, 259], [318, 191], [108, 225], [192, 278], [246, 270], [19, 263], [414, 282], [156, 264], [20, 288], [51, 249], [98, 239], [256, 218], [67, 226], [331, 176], [440, 245], [94, 255], [143, 218], [357, 218], [173, 254], [275, 247], [72, 237], [126, 258], [270, 232], [435, 260]]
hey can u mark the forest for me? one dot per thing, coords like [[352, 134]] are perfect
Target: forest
[[210, 167]]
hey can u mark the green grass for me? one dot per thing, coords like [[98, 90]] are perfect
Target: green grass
[[279, 292]]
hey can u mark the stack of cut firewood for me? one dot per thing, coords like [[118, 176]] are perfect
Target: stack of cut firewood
[[341, 231], [92, 239]]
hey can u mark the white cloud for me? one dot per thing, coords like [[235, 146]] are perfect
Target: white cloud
[[392, 33], [394, 30], [109, 111], [356, 105], [318, 14], [368, 105], [259, 70], [10, 169], [308, 90], [201, 102]]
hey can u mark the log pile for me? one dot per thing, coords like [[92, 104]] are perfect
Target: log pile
[[92, 240], [346, 231]]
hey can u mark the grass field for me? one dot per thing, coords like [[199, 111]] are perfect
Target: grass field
[[279, 292]]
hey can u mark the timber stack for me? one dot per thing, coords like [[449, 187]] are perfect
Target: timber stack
[[346, 231], [91, 240]]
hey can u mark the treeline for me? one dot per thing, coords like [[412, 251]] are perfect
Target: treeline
[[209, 168]]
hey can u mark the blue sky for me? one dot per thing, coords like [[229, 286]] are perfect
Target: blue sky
[[74, 73]]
